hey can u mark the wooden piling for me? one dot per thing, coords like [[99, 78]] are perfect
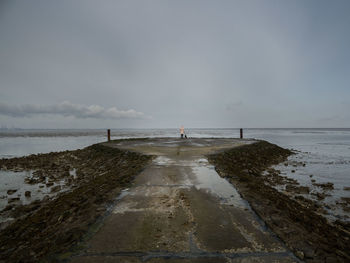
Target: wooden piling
[[108, 134], [241, 133]]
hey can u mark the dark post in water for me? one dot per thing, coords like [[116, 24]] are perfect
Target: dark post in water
[[241, 133], [109, 134]]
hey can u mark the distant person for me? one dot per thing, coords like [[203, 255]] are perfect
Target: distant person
[[182, 131]]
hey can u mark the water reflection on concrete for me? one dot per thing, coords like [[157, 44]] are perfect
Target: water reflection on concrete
[[208, 179], [204, 177]]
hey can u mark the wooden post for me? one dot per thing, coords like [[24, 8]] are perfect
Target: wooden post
[[241, 133], [109, 134]]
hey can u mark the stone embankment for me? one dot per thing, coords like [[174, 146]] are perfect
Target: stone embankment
[[297, 221], [57, 223]]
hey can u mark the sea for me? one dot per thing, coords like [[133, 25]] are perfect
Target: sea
[[325, 153]]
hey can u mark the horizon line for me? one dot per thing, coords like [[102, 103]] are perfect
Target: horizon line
[[157, 128]]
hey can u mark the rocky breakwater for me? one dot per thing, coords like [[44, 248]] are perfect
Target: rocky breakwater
[[308, 234], [54, 224]]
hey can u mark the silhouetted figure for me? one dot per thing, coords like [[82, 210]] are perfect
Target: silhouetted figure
[[182, 131]]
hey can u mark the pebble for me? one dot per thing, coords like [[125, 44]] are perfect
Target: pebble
[[300, 254], [309, 252], [14, 199], [11, 191], [55, 188]]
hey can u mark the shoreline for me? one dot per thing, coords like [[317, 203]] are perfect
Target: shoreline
[[47, 221], [55, 225], [308, 234]]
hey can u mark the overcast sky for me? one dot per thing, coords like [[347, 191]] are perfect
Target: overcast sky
[[158, 64]]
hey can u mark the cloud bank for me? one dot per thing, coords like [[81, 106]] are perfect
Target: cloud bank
[[68, 109]]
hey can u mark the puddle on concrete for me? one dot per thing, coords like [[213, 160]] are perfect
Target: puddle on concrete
[[202, 161], [208, 179], [162, 160], [203, 177], [165, 161]]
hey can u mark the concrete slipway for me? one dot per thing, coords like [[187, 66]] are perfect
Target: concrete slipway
[[180, 210]]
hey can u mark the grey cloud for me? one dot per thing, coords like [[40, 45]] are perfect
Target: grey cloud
[[197, 63], [69, 109]]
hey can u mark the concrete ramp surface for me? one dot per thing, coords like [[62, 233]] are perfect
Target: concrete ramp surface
[[180, 210]]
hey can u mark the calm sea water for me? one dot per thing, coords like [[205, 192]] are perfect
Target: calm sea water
[[326, 152], [328, 142]]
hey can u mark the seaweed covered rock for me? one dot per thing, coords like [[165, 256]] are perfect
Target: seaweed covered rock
[[308, 234], [250, 159], [55, 224]]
